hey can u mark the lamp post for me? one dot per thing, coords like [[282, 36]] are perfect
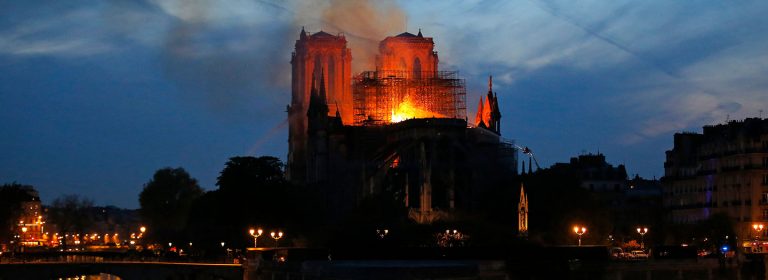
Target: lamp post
[[255, 233], [142, 230], [382, 233], [277, 237], [758, 228], [642, 232], [579, 231]]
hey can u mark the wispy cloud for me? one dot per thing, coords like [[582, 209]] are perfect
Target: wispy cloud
[[691, 63]]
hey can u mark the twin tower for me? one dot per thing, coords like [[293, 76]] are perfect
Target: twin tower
[[405, 85], [325, 56]]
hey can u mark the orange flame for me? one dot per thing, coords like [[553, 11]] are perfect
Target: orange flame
[[406, 110]]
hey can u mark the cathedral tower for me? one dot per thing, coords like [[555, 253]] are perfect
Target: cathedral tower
[[315, 54], [411, 55]]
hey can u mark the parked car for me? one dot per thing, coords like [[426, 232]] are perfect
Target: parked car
[[638, 255]]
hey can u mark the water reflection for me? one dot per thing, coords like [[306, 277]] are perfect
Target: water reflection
[[102, 276]]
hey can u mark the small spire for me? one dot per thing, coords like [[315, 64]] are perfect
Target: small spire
[[303, 34], [490, 83], [420, 33], [322, 87]]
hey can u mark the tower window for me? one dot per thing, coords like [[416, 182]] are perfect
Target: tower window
[[417, 68]]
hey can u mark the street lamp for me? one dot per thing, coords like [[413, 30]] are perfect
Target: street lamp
[[255, 234], [579, 231], [642, 232], [758, 228], [277, 237], [382, 233]]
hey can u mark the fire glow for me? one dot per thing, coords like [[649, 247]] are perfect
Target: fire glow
[[406, 110]]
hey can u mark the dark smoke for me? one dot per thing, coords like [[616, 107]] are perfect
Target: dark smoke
[[240, 68]]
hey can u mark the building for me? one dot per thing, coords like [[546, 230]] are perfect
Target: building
[[595, 174], [403, 131], [31, 229], [722, 170], [631, 203]]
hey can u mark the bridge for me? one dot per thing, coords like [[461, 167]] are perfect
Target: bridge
[[122, 269]]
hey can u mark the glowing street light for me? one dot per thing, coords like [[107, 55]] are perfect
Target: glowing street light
[[642, 232], [758, 228], [382, 233], [277, 237], [579, 231], [256, 233]]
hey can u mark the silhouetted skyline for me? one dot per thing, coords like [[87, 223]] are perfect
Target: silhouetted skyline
[[94, 98]]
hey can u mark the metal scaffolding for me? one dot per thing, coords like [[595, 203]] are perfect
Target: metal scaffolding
[[377, 94]]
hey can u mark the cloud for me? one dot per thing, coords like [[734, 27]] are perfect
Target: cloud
[[677, 65], [53, 36]]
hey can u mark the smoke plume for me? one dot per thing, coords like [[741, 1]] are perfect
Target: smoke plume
[[235, 58], [233, 65], [364, 23]]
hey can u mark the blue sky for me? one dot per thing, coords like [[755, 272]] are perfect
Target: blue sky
[[96, 96]]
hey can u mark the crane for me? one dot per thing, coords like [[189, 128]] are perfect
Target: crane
[[527, 151]]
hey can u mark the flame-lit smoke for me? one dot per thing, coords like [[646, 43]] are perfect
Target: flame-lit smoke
[[364, 23]]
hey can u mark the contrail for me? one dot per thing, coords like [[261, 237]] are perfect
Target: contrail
[[544, 7]]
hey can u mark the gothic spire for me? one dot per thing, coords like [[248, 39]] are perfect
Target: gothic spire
[[490, 83], [303, 34], [323, 97], [479, 116]]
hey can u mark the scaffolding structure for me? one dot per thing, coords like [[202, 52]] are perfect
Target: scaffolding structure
[[378, 94]]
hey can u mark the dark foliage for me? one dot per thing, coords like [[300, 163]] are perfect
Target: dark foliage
[[253, 193], [165, 203], [11, 197], [71, 213]]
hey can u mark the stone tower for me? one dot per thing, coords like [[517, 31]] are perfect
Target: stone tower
[[316, 53], [407, 54]]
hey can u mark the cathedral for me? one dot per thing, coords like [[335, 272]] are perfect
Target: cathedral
[[400, 129]]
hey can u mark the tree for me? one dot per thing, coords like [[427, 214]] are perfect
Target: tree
[[253, 192], [71, 214], [249, 173], [11, 197], [165, 202]]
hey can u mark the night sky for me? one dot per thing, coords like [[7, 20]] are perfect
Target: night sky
[[97, 95]]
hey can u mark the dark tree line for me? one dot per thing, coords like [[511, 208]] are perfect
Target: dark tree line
[[11, 197], [252, 192]]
